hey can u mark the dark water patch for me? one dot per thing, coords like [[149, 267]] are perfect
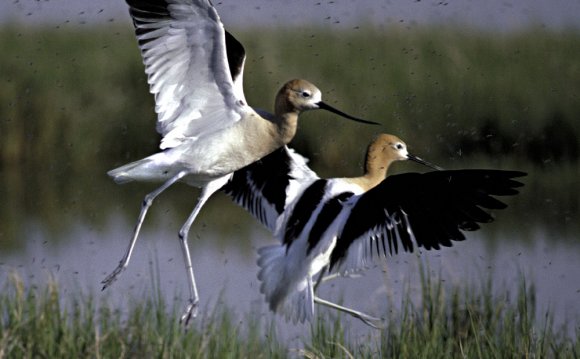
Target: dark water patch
[[554, 143]]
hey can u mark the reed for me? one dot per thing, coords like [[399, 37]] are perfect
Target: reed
[[458, 322]]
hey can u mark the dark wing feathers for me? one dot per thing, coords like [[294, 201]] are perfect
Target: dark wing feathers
[[261, 186], [303, 210], [430, 209], [236, 55], [325, 217], [266, 187], [145, 12]]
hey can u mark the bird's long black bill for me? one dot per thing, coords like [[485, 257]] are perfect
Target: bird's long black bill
[[327, 107], [423, 162]]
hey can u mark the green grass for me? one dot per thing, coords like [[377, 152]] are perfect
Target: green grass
[[40, 322], [461, 322], [469, 323], [74, 103]]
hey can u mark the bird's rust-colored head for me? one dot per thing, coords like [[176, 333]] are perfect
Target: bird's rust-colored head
[[381, 153], [386, 149], [298, 95]]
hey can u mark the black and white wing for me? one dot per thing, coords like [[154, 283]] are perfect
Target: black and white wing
[[190, 72], [267, 186], [236, 60], [426, 210]]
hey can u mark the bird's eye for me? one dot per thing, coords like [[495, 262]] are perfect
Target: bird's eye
[[305, 94], [399, 146]]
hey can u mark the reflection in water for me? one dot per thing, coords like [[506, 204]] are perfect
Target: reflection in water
[[57, 197], [229, 272], [77, 231]]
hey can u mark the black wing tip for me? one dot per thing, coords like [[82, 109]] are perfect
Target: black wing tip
[[148, 7], [236, 55], [516, 174]]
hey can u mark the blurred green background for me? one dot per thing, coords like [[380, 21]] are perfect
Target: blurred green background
[[74, 103]]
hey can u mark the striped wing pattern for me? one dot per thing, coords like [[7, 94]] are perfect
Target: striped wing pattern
[[266, 187], [426, 210]]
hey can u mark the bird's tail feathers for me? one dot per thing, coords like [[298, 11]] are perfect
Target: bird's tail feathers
[[287, 293], [125, 173], [299, 305], [154, 168]]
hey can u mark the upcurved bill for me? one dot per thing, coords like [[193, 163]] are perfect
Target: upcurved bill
[[327, 107], [423, 162]]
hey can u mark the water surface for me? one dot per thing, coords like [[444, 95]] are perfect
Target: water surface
[[78, 242]]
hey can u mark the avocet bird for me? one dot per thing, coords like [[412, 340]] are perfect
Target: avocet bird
[[195, 71], [339, 225]]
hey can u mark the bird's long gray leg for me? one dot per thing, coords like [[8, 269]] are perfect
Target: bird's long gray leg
[[325, 278], [367, 319], [147, 202], [333, 276], [320, 278], [206, 192]]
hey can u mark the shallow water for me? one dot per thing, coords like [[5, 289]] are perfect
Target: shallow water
[[73, 224], [83, 249]]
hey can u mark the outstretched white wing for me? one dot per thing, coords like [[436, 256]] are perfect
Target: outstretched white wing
[[183, 44]]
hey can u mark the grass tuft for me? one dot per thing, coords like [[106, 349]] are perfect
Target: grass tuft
[[461, 322]]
